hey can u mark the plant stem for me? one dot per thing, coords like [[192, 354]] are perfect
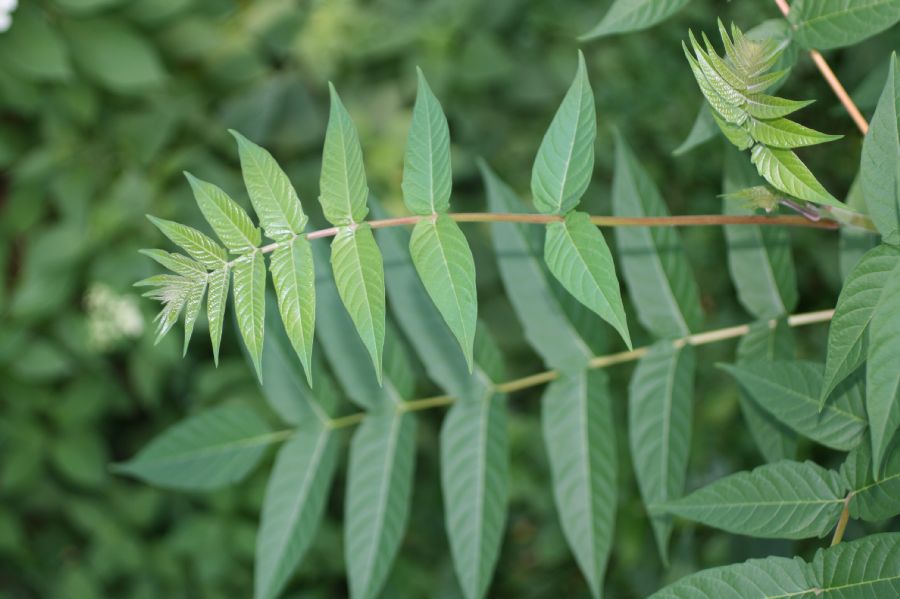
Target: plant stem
[[534, 380], [600, 221], [832, 80], [842, 522]]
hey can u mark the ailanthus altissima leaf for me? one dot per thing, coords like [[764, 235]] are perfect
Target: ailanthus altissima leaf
[[653, 260], [474, 464], [294, 277], [872, 499], [193, 303], [249, 292], [427, 177], [789, 390], [212, 449], [625, 16], [359, 276], [200, 247], [883, 372], [565, 161], [177, 263], [379, 486], [880, 166], [231, 224], [826, 24], [580, 438], [769, 578], [784, 500], [292, 510], [786, 134], [761, 106], [216, 300], [659, 429], [579, 258], [862, 293], [444, 262], [172, 291], [273, 197], [342, 186], [785, 172], [866, 567]]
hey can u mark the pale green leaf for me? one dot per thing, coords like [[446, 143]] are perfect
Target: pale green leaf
[[736, 134], [579, 258], [769, 578], [294, 278], [200, 247], [826, 24], [785, 172], [883, 372], [359, 275], [872, 499], [293, 507], [565, 161], [273, 197], [759, 258], [231, 224], [880, 166], [474, 465], [789, 390], [784, 500], [579, 434], [724, 81], [427, 179], [177, 263], [192, 305], [862, 293], [658, 273], [444, 262], [761, 106], [212, 449], [216, 300], [528, 285], [342, 186], [774, 440], [625, 16], [784, 133], [172, 291], [729, 111], [249, 291], [660, 398], [379, 487]]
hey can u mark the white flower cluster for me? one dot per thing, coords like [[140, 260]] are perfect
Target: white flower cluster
[[112, 318], [6, 9]]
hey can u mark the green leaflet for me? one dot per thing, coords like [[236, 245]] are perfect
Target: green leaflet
[[660, 408], [172, 291], [294, 277], [826, 24], [737, 135], [880, 166], [774, 440], [784, 500], [427, 176], [785, 172], [761, 106], [855, 242], [444, 262], [231, 224], [474, 464], [786, 134], [576, 417], [273, 197], [759, 258], [625, 16], [728, 111], [212, 449], [653, 262], [883, 372], [200, 247], [249, 291], [857, 569], [789, 390], [193, 303], [528, 285], [872, 500], [359, 275], [342, 186], [294, 503], [379, 487], [216, 301], [861, 295], [177, 263], [565, 161], [577, 255]]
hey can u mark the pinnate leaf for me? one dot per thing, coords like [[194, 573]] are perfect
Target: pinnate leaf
[[880, 166], [342, 186], [444, 262], [231, 224], [427, 178], [294, 278], [565, 161], [625, 16], [579, 258], [249, 292], [209, 450]]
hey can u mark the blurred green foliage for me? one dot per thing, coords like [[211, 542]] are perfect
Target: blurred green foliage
[[103, 103]]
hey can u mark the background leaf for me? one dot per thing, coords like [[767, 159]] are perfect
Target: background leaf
[[882, 372], [826, 24], [427, 178], [625, 16]]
